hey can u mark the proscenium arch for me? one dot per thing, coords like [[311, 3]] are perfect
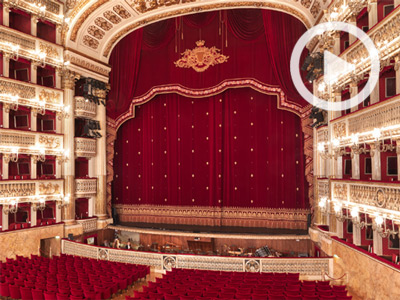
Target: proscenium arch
[[87, 12]]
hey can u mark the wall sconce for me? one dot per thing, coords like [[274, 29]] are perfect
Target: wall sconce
[[14, 52], [356, 149], [355, 218], [64, 201], [14, 102], [12, 208], [64, 157], [41, 206], [13, 156], [64, 113], [323, 151], [339, 213], [323, 205], [382, 230], [40, 157], [42, 59]]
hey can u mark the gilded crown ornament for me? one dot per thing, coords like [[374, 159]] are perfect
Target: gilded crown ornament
[[201, 57]]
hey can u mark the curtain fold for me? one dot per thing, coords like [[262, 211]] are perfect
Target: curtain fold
[[125, 62], [246, 24]]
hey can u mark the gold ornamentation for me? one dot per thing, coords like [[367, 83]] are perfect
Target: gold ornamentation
[[315, 9], [96, 32], [87, 64], [48, 49], [49, 189], [380, 198], [90, 42], [339, 130], [121, 11], [113, 18], [103, 23], [49, 96], [49, 141], [306, 3], [252, 265], [169, 262], [201, 58]]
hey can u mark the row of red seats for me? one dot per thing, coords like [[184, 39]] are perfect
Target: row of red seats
[[65, 278], [197, 284]]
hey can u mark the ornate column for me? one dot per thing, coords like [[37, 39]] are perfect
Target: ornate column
[[377, 242], [34, 66], [354, 92], [6, 115], [101, 164], [372, 13], [68, 84], [92, 167], [4, 218], [336, 45], [59, 122], [6, 160], [375, 162], [398, 158], [58, 78], [356, 235], [34, 20], [33, 166], [397, 69], [58, 212], [338, 98], [339, 229], [91, 202], [33, 214], [6, 15], [352, 36], [34, 113], [355, 163], [6, 64]]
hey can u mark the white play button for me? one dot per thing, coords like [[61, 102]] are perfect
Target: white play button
[[334, 66]]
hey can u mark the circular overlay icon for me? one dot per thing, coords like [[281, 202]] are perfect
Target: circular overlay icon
[[334, 66]]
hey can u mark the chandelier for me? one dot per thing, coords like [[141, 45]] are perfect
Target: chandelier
[[12, 208]]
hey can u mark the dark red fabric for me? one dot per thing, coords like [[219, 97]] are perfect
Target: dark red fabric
[[234, 149], [259, 46], [81, 208]]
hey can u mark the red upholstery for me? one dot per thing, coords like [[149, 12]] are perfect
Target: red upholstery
[[4, 289], [14, 292], [26, 293]]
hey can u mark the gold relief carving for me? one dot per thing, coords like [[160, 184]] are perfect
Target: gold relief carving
[[201, 58], [277, 6], [90, 42], [315, 9], [49, 141], [68, 80], [13, 38], [113, 18], [87, 12], [306, 3], [17, 189], [13, 88], [143, 6], [380, 198], [340, 191], [103, 23], [49, 96], [48, 49], [96, 32], [85, 63], [49, 189], [339, 130], [50, 5], [252, 265], [122, 12]]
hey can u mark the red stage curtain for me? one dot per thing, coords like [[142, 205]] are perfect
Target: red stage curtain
[[235, 149], [240, 34]]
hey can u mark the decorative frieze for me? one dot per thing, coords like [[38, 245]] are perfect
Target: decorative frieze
[[323, 188], [85, 147], [85, 108], [19, 44], [312, 267], [31, 95], [322, 134], [85, 187], [30, 190], [53, 12], [27, 142]]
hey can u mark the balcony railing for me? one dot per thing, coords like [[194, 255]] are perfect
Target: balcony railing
[[31, 95], [384, 116], [322, 134], [85, 147], [323, 187], [30, 190], [85, 109], [88, 225], [30, 47], [14, 141], [370, 196], [85, 187], [53, 12]]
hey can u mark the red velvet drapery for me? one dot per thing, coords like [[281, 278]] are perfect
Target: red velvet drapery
[[258, 43], [232, 149]]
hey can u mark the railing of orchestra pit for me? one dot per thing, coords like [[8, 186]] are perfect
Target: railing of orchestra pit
[[85, 147], [310, 267]]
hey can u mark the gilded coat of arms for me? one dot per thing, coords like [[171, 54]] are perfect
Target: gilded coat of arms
[[201, 58]]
